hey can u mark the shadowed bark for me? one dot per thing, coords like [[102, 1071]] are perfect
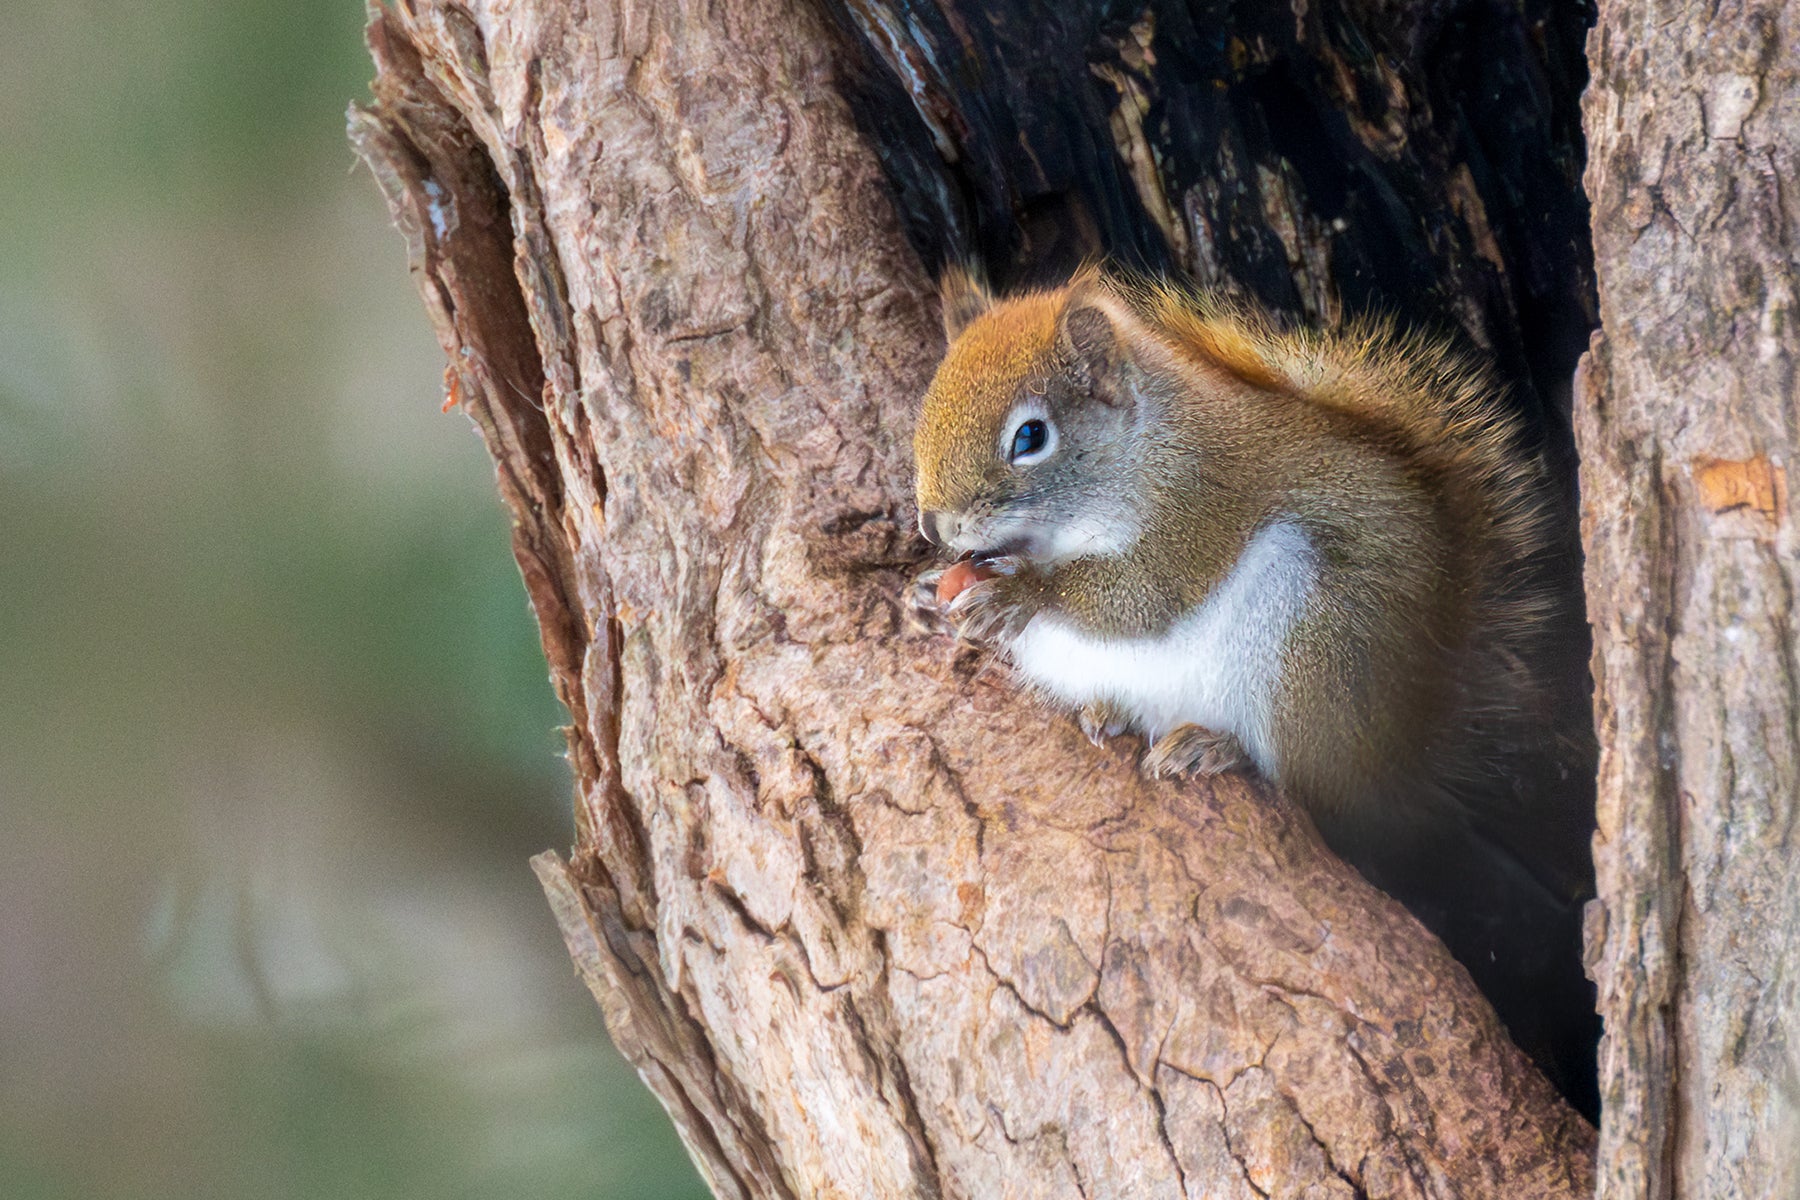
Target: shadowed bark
[[868, 922]]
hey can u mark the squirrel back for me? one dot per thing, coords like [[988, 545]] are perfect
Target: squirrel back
[[1517, 701]]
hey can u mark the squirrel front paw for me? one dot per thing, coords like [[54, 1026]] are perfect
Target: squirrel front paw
[[924, 611], [996, 607], [1194, 750]]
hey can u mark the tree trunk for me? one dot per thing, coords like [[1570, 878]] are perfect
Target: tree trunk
[[1688, 420], [869, 923]]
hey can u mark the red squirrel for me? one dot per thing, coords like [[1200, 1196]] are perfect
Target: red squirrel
[[1314, 553]]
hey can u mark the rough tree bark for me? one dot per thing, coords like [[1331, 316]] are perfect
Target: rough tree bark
[[867, 922], [1688, 421]]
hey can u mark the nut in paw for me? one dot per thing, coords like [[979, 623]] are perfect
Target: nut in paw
[[993, 609]]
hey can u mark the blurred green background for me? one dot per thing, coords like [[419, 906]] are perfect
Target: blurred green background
[[276, 738]]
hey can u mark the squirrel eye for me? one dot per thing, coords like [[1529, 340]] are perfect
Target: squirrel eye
[[1029, 441]]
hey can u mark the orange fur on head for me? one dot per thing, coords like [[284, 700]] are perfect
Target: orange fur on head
[[999, 349]]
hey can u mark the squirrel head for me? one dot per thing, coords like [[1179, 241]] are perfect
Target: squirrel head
[[1035, 429]]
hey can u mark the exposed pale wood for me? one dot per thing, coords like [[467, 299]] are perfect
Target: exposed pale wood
[[1687, 427], [867, 922]]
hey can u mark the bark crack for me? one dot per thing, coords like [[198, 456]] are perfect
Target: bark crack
[[1100, 1014]]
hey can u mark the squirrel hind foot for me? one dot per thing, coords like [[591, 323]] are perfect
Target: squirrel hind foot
[[1190, 750], [1101, 721]]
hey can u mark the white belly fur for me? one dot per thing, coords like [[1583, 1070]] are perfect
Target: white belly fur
[[1219, 666]]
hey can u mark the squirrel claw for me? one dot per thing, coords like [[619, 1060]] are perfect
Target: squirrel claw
[[1100, 721], [1194, 750], [923, 612], [986, 613]]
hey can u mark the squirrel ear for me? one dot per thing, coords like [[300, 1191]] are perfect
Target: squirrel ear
[[964, 298], [1091, 351]]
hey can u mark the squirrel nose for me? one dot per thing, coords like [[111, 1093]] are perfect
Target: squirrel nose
[[928, 525]]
